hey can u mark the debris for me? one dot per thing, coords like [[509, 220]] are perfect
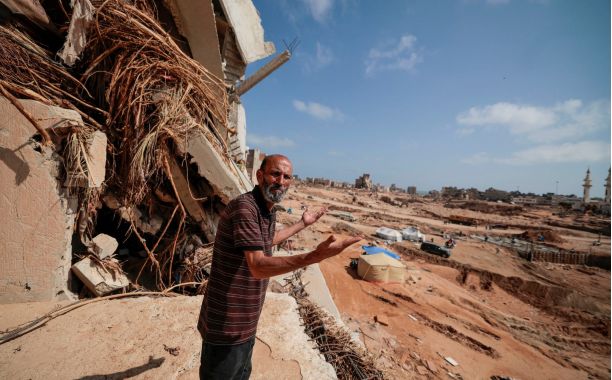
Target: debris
[[421, 370], [99, 281], [174, 351], [412, 317], [381, 319], [451, 361], [431, 366], [103, 246], [86, 160], [82, 14]]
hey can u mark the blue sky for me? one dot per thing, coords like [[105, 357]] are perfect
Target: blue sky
[[470, 93]]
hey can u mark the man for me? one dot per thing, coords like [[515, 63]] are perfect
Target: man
[[242, 263]]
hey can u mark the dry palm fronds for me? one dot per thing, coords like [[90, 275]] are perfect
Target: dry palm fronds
[[76, 155], [28, 71], [194, 264], [110, 265], [152, 90], [350, 360]]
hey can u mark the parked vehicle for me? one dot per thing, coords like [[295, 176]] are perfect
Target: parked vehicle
[[435, 249]]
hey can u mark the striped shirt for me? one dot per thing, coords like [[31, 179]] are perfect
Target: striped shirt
[[234, 298]]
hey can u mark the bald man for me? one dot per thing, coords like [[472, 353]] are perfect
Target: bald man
[[243, 263]]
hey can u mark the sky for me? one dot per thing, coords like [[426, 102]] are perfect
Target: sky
[[508, 94]]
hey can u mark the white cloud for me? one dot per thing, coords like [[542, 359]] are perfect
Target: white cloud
[[563, 121], [269, 141], [583, 151], [317, 110], [323, 56], [401, 56], [319, 9]]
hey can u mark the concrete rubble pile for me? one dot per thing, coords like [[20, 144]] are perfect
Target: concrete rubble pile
[[122, 140]]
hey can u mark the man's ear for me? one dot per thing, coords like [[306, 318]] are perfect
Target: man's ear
[[259, 175]]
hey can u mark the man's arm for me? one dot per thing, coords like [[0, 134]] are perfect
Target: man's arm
[[262, 266], [308, 218]]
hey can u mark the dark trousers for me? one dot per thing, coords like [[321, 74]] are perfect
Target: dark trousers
[[226, 362]]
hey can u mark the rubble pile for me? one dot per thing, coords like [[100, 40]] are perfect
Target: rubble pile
[[150, 164]]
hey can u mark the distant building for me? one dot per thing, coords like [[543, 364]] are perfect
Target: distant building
[[451, 192], [586, 198], [607, 191], [364, 182], [322, 181], [411, 190], [495, 195], [525, 200]]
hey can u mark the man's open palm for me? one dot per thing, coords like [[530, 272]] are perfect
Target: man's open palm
[[333, 246], [309, 217]]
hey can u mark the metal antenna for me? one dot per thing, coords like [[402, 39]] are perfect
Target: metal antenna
[[292, 45]]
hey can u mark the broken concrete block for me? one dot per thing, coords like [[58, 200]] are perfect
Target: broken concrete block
[[226, 180], [96, 279], [144, 224], [111, 201], [95, 161], [104, 245], [36, 232]]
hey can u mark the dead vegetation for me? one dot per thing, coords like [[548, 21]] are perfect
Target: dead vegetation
[[350, 360]]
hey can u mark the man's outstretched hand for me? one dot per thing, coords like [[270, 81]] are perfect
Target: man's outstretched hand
[[333, 246], [309, 217]]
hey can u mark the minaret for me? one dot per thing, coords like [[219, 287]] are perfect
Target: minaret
[[587, 187], [607, 197]]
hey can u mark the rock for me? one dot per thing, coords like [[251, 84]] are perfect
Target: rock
[[431, 366], [421, 370], [111, 201], [382, 320], [96, 279], [104, 246]]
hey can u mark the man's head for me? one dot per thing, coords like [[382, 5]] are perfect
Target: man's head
[[274, 177]]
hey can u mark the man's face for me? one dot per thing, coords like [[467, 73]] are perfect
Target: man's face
[[275, 179]]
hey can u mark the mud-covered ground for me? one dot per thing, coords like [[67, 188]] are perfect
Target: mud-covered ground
[[492, 312]]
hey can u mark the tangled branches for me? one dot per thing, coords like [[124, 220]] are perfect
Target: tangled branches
[[349, 359], [152, 90]]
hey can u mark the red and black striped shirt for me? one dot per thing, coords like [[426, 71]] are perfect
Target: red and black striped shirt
[[234, 298]]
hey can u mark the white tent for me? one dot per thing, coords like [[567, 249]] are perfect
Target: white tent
[[413, 234], [389, 234], [380, 267]]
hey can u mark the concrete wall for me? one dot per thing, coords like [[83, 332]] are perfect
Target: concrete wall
[[36, 228]]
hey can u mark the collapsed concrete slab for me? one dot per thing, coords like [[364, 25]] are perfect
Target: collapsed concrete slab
[[99, 281], [225, 178], [35, 237], [281, 332]]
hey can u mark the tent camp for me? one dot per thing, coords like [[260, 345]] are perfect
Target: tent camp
[[412, 234], [389, 234], [380, 268]]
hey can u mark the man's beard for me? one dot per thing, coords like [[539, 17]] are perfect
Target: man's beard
[[270, 195]]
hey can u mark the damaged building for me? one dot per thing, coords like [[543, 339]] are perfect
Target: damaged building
[[123, 137]]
